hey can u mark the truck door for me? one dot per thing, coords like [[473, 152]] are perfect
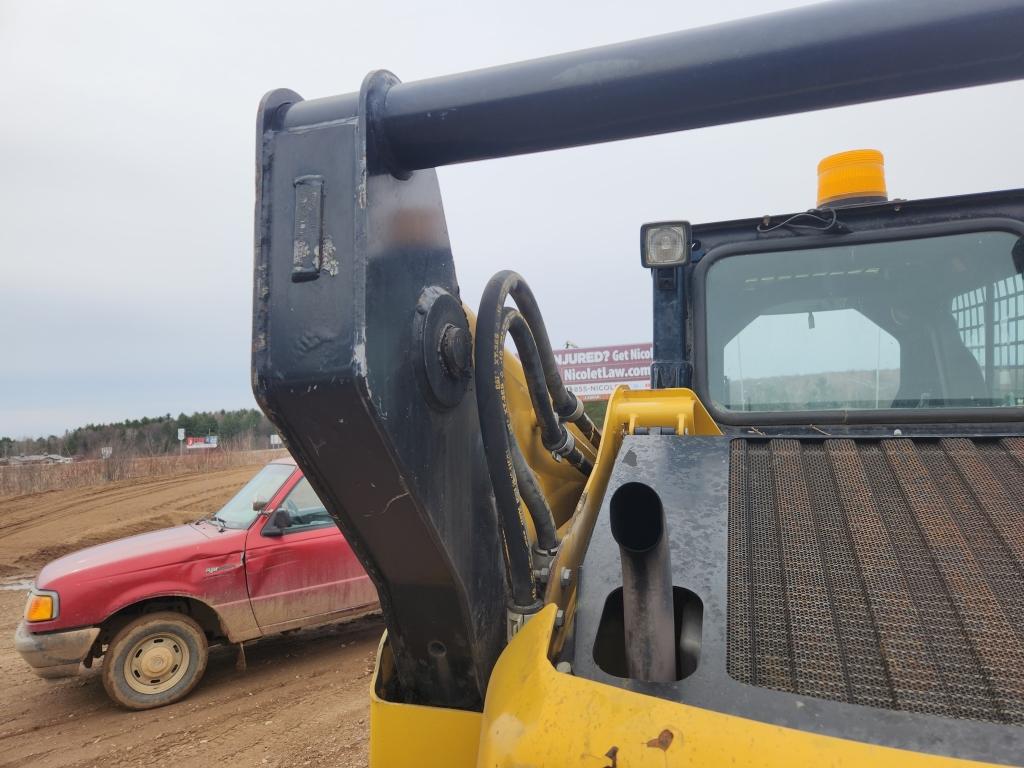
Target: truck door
[[305, 572]]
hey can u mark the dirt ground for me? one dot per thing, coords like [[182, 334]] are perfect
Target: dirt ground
[[302, 700]]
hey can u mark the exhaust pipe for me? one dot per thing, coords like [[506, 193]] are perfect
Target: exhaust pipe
[[638, 525]]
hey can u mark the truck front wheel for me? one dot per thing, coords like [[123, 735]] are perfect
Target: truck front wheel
[[154, 660]]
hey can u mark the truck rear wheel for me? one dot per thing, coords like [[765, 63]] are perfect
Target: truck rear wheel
[[156, 659]]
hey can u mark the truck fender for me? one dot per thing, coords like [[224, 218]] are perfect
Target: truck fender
[[233, 620]]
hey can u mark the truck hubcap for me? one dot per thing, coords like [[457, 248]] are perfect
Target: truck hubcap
[[156, 663]]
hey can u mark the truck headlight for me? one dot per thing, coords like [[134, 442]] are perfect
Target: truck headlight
[[665, 244], [42, 606]]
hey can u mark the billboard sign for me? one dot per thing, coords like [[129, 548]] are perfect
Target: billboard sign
[[193, 443], [593, 373]]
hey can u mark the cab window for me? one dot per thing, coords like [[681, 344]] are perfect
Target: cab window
[[990, 320], [764, 377], [934, 322], [305, 508], [239, 512]]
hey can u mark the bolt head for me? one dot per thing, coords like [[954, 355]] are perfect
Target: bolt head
[[565, 577], [456, 349]]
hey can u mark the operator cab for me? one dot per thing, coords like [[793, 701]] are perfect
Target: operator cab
[[847, 560], [862, 311]]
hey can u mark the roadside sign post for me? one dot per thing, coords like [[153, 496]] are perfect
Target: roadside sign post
[[181, 440]]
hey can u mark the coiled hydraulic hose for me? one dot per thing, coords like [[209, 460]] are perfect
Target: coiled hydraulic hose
[[494, 322], [567, 405], [533, 497], [553, 434]]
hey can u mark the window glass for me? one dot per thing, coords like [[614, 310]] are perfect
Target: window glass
[[933, 322], [990, 320], [802, 373], [305, 507], [238, 513]]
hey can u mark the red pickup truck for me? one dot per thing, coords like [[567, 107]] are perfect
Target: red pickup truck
[[270, 560]]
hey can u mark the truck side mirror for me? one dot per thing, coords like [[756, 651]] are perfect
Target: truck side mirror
[[279, 521], [258, 505]]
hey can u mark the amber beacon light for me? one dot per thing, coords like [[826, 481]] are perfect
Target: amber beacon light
[[848, 178]]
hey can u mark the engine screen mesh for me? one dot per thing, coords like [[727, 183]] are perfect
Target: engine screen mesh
[[888, 572]]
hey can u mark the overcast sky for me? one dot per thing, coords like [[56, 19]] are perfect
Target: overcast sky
[[126, 179]]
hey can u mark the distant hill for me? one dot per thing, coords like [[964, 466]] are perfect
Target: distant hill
[[243, 429], [833, 389]]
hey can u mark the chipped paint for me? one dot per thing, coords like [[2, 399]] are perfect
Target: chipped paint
[[329, 261], [300, 253], [663, 740], [589, 72]]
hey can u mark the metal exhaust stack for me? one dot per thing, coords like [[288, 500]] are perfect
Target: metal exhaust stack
[[638, 525]]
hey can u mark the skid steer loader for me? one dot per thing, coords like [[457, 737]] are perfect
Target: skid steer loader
[[804, 546]]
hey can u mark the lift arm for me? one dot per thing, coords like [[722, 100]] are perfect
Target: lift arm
[[357, 315]]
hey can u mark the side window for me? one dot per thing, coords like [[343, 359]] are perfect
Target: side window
[[305, 508], [969, 312], [990, 320]]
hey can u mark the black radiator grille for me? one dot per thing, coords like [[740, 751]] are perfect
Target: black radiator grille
[[881, 572]]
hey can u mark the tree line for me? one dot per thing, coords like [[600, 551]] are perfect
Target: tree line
[[244, 429]]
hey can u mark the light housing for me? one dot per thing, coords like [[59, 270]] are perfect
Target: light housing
[[42, 606], [855, 176], [665, 244]]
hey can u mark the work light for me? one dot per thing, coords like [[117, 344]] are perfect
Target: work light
[[665, 244]]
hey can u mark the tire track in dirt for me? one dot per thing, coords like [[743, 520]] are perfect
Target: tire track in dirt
[[27, 507], [57, 502], [303, 701]]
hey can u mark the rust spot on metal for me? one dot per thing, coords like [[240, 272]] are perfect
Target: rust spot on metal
[[663, 741]]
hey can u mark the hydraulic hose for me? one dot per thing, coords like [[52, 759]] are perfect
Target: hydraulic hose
[[551, 430], [494, 432], [566, 404], [533, 497], [554, 436], [494, 322]]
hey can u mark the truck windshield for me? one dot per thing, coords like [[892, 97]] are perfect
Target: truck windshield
[[935, 322], [239, 512]]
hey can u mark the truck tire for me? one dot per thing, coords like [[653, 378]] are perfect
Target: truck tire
[[156, 659]]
